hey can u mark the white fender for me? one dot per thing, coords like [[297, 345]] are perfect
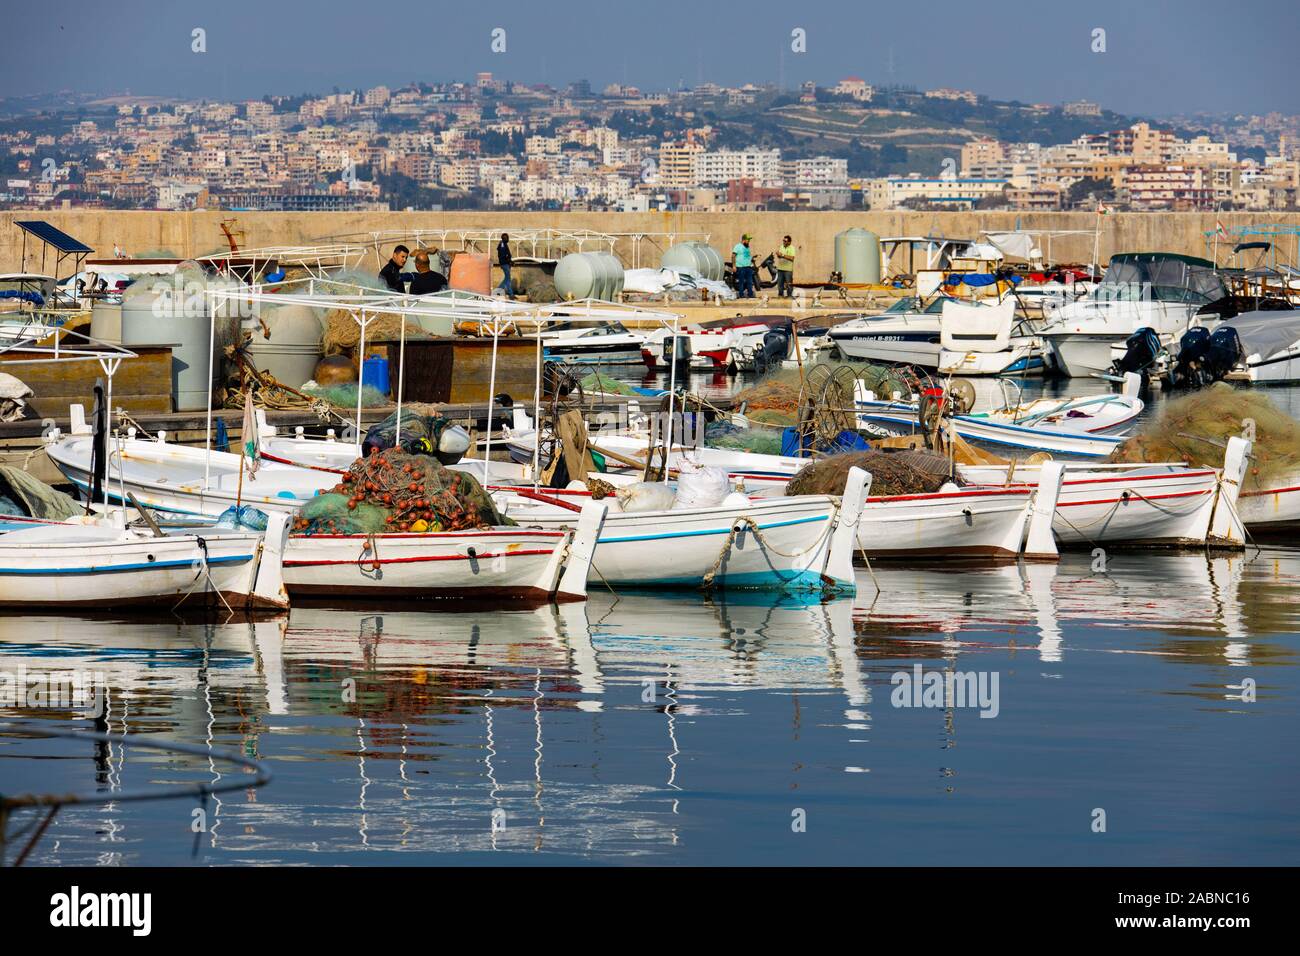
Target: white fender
[[1041, 543], [582, 548], [1132, 385]]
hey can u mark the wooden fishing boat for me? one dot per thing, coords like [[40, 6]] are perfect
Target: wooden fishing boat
[[523, 565], [93, 565], [801, 543]]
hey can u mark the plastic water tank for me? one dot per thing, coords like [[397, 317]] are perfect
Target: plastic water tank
[[293, 347], [697, 257], [173, 311], [589, 275], [857, 255], [471, 272]]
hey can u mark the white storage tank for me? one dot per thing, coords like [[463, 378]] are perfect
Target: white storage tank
[[857, 256], [172, 310], [589, 275], [286, 342], [699, 258]]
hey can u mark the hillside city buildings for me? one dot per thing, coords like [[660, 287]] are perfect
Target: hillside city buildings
[[495, 144]]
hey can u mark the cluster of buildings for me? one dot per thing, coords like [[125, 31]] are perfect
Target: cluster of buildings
[[493, 143], [1140, 168]]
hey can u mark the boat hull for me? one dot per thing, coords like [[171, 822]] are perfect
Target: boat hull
[[519, 565]]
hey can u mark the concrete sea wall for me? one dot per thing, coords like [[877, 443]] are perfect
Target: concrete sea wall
[[198, 233]]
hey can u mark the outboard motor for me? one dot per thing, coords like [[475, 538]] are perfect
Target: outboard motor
[[1143, 347], [1223, 353], [774, 350], [1193, 347]]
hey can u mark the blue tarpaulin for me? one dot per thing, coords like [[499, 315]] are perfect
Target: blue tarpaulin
[[977, 280], [25, 295]]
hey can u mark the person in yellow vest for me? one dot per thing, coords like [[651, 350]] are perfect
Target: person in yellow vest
[[785, 268]]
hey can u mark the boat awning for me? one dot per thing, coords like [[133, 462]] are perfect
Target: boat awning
[[53, 236]]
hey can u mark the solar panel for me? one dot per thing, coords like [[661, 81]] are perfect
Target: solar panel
[[59, 239]]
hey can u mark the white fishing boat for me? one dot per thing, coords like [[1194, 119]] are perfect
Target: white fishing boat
[[525, 565], [802, 543], [1089, 426], [962, 522], [93, 565], [180, 479], [1157, 290], [1159, 504]]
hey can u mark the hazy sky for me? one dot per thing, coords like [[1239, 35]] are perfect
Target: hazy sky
[[1161, 56]]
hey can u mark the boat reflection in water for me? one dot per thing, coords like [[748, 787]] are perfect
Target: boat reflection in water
[[663, 728]]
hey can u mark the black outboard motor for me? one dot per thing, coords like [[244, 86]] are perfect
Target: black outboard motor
[[1190, 371], [1143, 347], [1224, 352], [774, 350]]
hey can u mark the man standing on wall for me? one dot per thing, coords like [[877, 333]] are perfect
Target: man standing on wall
[[391, 273], [504, 259], [743, 260], [785, 269]]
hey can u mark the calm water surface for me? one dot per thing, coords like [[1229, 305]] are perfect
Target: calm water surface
[[664, 730]]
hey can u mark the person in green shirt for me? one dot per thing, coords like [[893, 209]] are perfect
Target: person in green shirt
[[743, 260], [785, 268]]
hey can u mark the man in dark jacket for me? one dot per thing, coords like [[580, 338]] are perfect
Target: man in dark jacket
[[504, 259], [426, 281], [391, 273]]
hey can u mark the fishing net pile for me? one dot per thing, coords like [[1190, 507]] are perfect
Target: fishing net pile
[[344, 394], [1196, 429], [760, 441], [892, 473], [422, 427], [394, 491], [598, 382], [773, 400], [343, 332], [23, 494]]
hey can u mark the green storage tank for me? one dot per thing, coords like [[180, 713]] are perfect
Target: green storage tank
[[857, 256]]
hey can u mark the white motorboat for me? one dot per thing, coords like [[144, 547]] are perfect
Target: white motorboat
[[1157, 290], [720, 345], [1270, 345], [94, 565], [972, 337], [608, 343]]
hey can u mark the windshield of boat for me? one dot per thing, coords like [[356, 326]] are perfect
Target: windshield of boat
[[912, 303], [1159, 279]]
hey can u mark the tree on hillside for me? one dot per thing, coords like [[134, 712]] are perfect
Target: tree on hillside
[[1090, 189]]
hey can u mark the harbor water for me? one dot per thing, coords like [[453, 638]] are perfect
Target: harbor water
[[1124, 709]]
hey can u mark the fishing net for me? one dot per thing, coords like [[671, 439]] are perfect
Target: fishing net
[[892, 473], [419, 422], [344, 395], [760, 441], [776, 397], [343, 332], [393, 491], [1196, 429], [32, 497], [598, 382]]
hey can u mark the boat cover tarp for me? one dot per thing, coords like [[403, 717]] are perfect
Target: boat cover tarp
[[1266, 333], [35, 497], [23, 295]]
